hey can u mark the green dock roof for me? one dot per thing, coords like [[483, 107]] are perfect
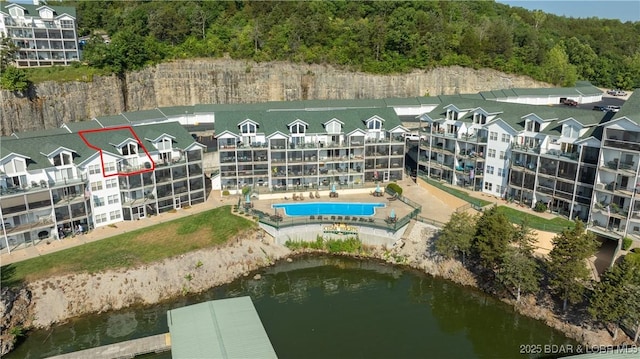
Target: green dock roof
[[225, 328]]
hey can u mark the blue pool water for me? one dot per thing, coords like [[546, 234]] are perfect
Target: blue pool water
[[329, 208]]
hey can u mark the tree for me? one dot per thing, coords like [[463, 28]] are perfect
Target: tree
[[456, 235], [14, 79], [519, 269], [613, 295], [493, 233], [567, 262], [557, 69], [8, 51]]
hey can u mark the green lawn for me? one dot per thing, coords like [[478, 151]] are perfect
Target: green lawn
[[145, 245], [456, 192], [63, 73], [556, 224], [515, 216]]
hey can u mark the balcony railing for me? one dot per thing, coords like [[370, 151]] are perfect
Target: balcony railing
[[633, 146], [525, 148]]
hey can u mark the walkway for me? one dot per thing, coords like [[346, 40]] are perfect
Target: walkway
[[42, 248], [129, 349], [436, 204]]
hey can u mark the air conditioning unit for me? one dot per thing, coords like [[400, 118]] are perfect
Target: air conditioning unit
[[599, 185]]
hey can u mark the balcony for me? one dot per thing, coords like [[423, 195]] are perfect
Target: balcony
[[573, 156], [525, 148], [632, 146], [40, 222]]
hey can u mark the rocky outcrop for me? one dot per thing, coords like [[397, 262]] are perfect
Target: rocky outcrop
[[15, 309], [191, 82]]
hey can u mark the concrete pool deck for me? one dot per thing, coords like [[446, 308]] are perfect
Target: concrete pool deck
[[436, 205]]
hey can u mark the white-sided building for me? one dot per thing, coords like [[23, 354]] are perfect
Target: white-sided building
[[46, 35]]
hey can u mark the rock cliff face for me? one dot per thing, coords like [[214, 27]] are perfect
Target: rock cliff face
[[15, 317], [228, 81]]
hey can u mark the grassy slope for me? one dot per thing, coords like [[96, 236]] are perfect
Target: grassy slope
[[145, 245]]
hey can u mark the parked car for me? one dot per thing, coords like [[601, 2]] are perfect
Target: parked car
[[413, 136], [570, 102], [617, 92], [599, 108], [612, 108]]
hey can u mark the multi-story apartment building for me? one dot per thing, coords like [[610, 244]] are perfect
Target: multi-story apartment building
[[615, 200], [309, 149], [45, 35], [52, 181], [579, 162], [526, 153]]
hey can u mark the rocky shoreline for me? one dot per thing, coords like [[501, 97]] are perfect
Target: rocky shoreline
[[44, 303]]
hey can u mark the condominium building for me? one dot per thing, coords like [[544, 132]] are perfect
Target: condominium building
[[525, 153], [577, 162], [45, 35], [53, 181], [309, 149]]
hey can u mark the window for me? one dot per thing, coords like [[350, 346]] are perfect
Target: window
[[96, 186], [297, 128], [110, 167], [452, 115], [101, 218], [98, 201], [61, 159], [111, 183], [66, 24], [493, 136], [488, 186], [502, 155], [114, 215], [501, 172], [164, 145], [506, 138], [93, 169], [15, 166], [490, 169], [248, 128], [114, 198], [374, 125], [129, 149], [492, 153], [498, 188], [480, 118]]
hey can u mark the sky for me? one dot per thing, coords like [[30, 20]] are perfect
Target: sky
[[624, 10]]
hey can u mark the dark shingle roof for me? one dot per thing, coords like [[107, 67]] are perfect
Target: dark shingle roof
[[277, 120], [34, 147], [31, 10]]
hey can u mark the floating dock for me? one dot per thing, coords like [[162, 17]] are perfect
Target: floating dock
[[129, 349]]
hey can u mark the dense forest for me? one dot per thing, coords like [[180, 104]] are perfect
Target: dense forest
[[371, 36]]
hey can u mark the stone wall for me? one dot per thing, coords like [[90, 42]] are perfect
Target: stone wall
[[193, 82]]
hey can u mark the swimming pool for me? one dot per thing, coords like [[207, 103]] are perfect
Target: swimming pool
[[329, 208]]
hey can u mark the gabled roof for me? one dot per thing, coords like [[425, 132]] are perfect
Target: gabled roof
[[36, 149], [41, 133], [111, 121], [32, 10]]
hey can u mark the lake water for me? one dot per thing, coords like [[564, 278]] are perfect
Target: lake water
[[328, 307]]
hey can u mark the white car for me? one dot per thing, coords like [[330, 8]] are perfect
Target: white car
[[612, 108], [413, 137], [617, 92]]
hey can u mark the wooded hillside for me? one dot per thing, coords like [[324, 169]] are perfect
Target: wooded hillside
[[371, 36]]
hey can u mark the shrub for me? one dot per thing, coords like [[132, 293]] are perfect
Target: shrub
[[395, 188], [540, 207], [626, 243], [225, 192]]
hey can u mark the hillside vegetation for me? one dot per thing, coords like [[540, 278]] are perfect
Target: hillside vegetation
[[371, 36]]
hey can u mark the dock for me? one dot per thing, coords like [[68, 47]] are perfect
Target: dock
[[129, 349]]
